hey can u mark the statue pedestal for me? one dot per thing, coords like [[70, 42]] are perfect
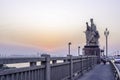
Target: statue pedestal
[[92, 50]]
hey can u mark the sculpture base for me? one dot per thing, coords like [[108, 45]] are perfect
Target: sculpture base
[[92, 50]]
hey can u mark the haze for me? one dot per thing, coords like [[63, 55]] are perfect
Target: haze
[[50, 24]]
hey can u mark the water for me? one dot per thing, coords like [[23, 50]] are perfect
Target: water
[[21, 65]]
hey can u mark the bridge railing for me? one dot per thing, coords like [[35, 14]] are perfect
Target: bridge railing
[[115, 70], [51, 68]]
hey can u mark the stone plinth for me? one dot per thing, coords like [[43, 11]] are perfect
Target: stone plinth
[[92, 50]]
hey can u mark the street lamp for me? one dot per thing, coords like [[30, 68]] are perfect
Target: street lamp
[[106, 33], [78, 50], [118, 53], [69, 47]]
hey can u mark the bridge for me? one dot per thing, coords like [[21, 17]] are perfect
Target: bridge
[[60, 68]]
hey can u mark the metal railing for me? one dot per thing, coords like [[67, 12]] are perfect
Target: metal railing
[[115, 70], [69, 68]]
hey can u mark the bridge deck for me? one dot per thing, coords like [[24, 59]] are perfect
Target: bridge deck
[[100, 72]]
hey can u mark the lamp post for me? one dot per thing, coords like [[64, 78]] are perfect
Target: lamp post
[[118, 52], [69, 47], [78, 50], [106, 33], [103, 51]]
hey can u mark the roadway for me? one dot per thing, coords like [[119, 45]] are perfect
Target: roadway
[[100, 72]]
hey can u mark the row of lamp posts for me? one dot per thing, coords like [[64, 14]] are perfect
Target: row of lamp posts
[[69, 49]]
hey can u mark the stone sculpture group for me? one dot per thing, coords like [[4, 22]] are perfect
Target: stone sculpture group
[[92, 35]]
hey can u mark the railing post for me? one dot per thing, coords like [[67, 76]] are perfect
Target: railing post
[[91, 62], [71, 66], [47, 65], [54, 61], [87, 63], [94, 61], [32, 64], [65, 60], [81, 65], [1, 65]]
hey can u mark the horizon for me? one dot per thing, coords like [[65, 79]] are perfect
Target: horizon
[[48, 26]]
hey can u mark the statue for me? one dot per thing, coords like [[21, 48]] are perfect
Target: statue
[[92, 43], [92, 35], [88, 33]]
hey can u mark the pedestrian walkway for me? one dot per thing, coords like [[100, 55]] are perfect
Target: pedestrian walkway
[[100, 72]]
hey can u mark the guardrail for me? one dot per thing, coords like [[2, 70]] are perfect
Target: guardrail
[[115, 70], [69, 68]]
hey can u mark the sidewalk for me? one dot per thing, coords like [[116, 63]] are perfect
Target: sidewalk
[[100, 72]]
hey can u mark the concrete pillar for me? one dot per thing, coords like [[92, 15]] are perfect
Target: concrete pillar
[[71, 66], [87, 63], [54, 61], [91, 62], [1, 65], [32, 63], [65, 60], [47, 65], [81, 66]]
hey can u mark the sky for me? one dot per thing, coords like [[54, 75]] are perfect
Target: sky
[[49, 25]]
